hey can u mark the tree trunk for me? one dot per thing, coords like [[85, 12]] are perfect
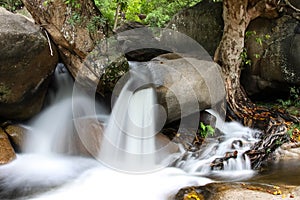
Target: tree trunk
[[237, 15], [228, 54], [117, 16], [74, 26]]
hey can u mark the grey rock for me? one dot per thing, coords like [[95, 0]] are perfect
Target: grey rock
[[276, 61], [202, 22], [186, 85], [26, 65]]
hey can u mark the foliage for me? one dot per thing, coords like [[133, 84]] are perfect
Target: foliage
[[94, 23], [245, 58], [75, 18], [157, 12], [259, 40], [11, 5], [293, 100], [73, 3], [205, 130], [294, 132]]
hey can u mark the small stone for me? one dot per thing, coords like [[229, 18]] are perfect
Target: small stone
[[17, 135], [7, 152]]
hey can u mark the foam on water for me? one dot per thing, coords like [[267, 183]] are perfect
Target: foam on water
[[235, 137], [104, 183]]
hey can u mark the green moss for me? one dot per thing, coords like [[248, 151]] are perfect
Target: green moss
[[11, 5], [4, 92]]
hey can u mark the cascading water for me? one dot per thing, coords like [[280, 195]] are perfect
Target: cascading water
[[128, 140], [234, 141], [45, 163], [130, 143], [46, 135]]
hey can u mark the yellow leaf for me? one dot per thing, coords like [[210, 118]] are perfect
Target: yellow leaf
[[279, 192]]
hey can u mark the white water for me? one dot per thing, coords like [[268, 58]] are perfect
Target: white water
[[130, 143], [54, 120], [46, 162], [236, 138]]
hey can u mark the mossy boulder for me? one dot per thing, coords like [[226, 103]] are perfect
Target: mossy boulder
[[26, 64]]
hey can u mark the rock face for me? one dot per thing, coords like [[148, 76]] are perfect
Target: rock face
[[273, 48], [26, 64], [7, 153], [203, 23]]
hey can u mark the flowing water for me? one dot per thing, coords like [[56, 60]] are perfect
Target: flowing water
[[129, 144], [129, 138]]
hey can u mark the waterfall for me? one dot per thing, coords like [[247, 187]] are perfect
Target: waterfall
[[50, 128], [235, 139], [129, 144]]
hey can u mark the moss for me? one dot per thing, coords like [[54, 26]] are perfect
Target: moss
[[4, 92]]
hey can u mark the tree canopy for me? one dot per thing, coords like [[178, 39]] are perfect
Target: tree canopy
[[155, 12]]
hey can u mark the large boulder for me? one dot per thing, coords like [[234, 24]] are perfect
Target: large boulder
[[185, 85], [202, 22], [273, 46], [26, 63]]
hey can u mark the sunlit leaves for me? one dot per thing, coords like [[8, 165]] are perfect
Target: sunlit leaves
[[157, 12]]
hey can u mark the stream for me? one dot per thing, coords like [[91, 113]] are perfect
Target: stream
[[124, 164]]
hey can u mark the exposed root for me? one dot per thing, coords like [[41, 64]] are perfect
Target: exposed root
[[49, 42]]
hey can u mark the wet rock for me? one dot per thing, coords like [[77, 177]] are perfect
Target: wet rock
[[26, 65], [237, 191], [16, 135], [208, 119], [273, 48], [7, 152], [287, 151], [218, 163], [84, 139], [236, 143], [186, 139]]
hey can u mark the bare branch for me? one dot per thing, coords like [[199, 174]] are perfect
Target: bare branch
[[290, 5]]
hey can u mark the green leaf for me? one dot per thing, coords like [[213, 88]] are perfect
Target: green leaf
[[210, 130], [256, 55], [267, 36], [202, 126], [259, 41]]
